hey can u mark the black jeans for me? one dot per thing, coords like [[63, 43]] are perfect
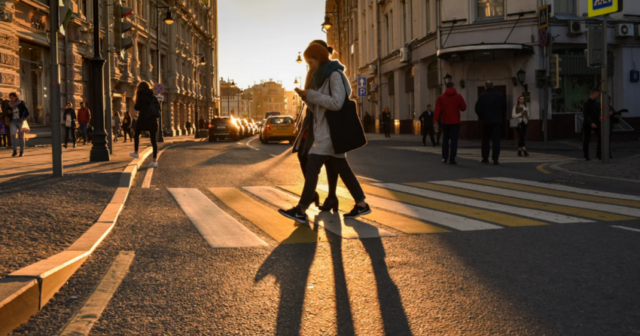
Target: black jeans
[[451, 133], [68, 130], [386, 127], [152, 137], [341, 166], [522, 134], [491, 134], [332, 175], [428, 130], [125, 131], [586, 131]]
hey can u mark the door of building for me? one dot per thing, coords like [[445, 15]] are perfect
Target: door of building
[[506, 130]]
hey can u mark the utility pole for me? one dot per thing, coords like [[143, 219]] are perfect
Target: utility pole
[[56, 132], [604, 96], [107, 76], [99, 151]]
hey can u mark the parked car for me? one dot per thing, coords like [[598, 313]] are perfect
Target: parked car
[[263, 124], [279, 128], [223, 128], [275, 113], [247, 127]]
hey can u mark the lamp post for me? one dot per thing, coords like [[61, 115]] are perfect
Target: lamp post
[[448, 79], [169, 21], [522, 75], [201, 61], [327, 24], [99, 151]]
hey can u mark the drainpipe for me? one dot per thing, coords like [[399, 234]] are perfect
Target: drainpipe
[[66, 69], [438, 44], [379, 61]]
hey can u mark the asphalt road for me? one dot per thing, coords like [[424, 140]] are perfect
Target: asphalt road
[[555, 279]]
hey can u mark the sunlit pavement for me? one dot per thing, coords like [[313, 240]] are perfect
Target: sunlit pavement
[[450, 250]]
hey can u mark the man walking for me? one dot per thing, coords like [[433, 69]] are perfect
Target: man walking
[[591, 113], [84, 118], [448, 108], [426, 121], [491, 108]]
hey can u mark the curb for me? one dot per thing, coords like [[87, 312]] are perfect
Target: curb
[[24, 292], [556, 167]]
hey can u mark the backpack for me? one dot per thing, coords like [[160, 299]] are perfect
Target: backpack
[[154, 108]]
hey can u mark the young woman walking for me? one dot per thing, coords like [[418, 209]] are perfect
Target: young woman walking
[[521, 114], [386, 122], [144, 99], [69, 124], [331, 93], [19, 114], [126, 125], [115, 125]]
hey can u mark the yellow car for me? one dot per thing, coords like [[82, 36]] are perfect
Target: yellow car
[[279, 128]]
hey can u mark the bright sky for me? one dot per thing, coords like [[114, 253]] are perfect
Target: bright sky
[[260, 39]]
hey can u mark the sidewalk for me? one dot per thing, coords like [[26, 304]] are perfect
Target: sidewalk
[[623, 169]]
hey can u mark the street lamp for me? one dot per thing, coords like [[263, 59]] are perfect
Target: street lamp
[[99, 151], [327, 23], [299, 60], [521, 76], [448, 79], [202, 62], [168, 19]]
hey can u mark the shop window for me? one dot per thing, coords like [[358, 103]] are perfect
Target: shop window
[[490, 9]]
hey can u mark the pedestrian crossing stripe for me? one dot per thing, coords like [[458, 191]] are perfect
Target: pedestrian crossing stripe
[[505, 156], [390, 219], [281, 229], [483, 215], [586, 213]]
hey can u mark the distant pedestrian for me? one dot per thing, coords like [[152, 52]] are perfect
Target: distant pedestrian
[[438, 130], [591, 116], [19, 115], [115, 125], [187, 125], [426, 121], [4, 130], [69, 118], [386, 122], [126, 125], [491, 108], [448, 108], [148, 109], [201, 125], [84, 118], [134, 122], [7, 115], [521, 114]]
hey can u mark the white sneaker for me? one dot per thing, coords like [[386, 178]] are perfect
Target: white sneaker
[[134, 155], [153, 164]]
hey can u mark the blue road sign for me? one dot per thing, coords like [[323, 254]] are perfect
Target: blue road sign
[[603, 7], [543, 16], [362, 92], [544, 37], [158, 89], [362, 81]]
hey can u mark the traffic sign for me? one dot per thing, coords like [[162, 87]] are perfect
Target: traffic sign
[[362, 92], [362, 81], [603, 7], [160, 98], [158, 89], [544, 37], [543, 16], [635, 76]]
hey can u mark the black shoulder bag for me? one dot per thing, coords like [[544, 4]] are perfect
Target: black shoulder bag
[[345, 127]]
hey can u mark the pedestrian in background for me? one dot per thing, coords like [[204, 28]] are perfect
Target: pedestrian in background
[[521, 114], [4, 132], [126, 125], [201, 125], [148, 107], [187, 125], [115, 125], [7, 115], [134, 122], [448, 108], [84, 118], [386, 122], [426, 121], [19, 115], [491, 108], [69, 117], [591, 117]]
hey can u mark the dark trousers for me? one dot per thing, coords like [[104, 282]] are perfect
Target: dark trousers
[[4, 140], [386, 127], [522, 134], [332, 175], [68, 130], [439, 133], [586, 132], [451, 133], [125, 131], [426, 130], [341, 166], [491, 134], [152, 137], [85, 134]]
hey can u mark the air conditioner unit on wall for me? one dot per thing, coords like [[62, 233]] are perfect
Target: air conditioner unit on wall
[[405, 55], [373, 69], [624, 30], [576, 27], [373, 86]]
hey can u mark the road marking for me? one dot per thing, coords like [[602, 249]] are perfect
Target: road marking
[[541, 169], [557, 193], [248, 144], [217, 227], [627, 213], [597, 215], [82, 322], [390, 219], [283, 230], [146, 183], [272, 155], [567, 188], [625, 228], [367, 178], [483, 215], [349, 229], [537, 214], [505, 157]]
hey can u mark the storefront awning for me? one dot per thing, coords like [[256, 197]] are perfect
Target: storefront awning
[[484, 52]]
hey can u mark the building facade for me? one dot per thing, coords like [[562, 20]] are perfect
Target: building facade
[[268, 96], [25, 50], [293, 103], [406, 47]]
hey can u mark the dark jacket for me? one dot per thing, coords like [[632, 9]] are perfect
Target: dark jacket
[[6, 113], [145, 121], [491, 107], [69, 112], [126, 122], [304, 140], [386, 117], [448, 107], [426, 118], [23, 112], [591, 113]]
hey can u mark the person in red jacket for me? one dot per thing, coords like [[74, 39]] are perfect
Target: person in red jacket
[[448, 108], [84, 118]]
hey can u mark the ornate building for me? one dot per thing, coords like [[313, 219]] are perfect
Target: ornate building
[[25, 50]]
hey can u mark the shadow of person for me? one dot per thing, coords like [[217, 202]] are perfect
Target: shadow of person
[[394, 317], [290, 265], [344, 316]]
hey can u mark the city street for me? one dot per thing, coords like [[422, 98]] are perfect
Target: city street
[[471, 249]]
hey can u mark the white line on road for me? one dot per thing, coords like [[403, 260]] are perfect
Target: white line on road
[[146, 183], [272, 155], [82, 322], [625, 228], [368, 178], [248, 144], [566, 188]]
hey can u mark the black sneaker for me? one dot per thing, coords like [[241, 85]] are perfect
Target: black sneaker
[[15, 153], [358, 211], [296, 214], [485, 161], [496, 163], [445, 161]]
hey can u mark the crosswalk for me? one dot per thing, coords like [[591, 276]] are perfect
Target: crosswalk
[[505, 156], [436, 207]]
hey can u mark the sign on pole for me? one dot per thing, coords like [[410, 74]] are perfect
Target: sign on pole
[[362, 92], [160, 98], [544, 37], [604, 7], [158, 89], [362, 81], [543, 16]]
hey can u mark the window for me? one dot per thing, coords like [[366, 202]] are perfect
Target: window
[[388, 42], [427, 20], [405, 34], [392, 44], [490, 9], [565, 6], [410, 19]]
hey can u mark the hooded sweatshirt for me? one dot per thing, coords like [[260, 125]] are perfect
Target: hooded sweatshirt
[[448, 107]]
